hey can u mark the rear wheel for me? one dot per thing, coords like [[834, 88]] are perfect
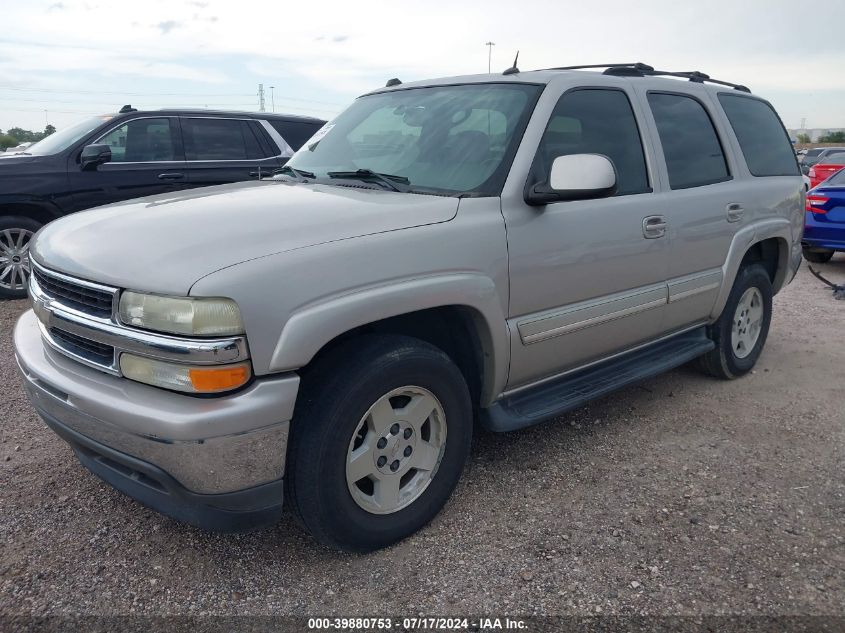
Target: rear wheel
[[15, 235], [378, 442], [741, 331], [817, 255]]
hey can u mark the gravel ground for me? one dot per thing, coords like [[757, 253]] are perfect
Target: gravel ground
[[684, 495]]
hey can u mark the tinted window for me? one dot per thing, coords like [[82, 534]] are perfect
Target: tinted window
[[597, 122], [295, 133], [140, 141], [764, 142], [218, 139], [692, 150], [837, 179], [833, 159]]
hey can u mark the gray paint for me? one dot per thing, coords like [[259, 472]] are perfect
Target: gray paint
[[551, 289]]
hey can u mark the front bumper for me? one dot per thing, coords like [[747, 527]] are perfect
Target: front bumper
[[189, 457]]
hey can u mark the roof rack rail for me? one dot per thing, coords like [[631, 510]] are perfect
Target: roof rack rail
[[639, 69]]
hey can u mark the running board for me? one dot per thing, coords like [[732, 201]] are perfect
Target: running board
[[551, 399]]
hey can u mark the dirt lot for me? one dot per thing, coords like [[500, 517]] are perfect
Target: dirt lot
[[684, 495]]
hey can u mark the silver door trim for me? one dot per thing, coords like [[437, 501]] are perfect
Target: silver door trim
[[590, 313], [695, 284]]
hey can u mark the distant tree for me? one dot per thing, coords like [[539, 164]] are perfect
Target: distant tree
[[21, 134], [48, 130], [833, 137], [804, 138], [7, 141]]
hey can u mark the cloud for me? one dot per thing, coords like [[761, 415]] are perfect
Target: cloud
[[168, 26], [57, 6], [340, 38]]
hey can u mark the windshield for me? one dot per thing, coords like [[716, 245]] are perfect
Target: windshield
[[63, 139], [442, 139]]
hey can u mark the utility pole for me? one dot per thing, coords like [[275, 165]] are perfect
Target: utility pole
[[489, 46], [803, 123], [261, 97], [273, 98]]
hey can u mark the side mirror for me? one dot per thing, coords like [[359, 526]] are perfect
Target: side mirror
[[93, 155], [575, 177]]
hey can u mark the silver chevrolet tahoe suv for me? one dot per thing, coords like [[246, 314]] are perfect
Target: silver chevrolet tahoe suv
[[496, 249]]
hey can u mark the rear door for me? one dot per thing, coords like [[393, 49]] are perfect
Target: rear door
[[702, 199], [146, 159], [221, 150]]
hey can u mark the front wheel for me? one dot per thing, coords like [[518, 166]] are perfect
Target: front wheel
[[741, 330], [378, 441], [817, 256], [15, 234]]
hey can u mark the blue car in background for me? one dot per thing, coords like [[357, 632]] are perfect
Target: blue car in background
[[824, 221]]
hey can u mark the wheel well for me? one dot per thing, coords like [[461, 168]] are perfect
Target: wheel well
[[34, 211], [453, 329], [767, 253]]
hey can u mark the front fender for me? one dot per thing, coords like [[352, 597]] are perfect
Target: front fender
[[312, 326]]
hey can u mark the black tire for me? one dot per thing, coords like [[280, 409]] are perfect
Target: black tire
[[13, 223], [817, 256], [723, 361], [336, 394]]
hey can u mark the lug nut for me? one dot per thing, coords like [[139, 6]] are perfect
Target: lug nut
[[394, 466], [394, 429], [381, 443], [381, 461], [407, 433], [408, 451]]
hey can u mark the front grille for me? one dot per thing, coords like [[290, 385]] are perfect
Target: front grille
[[85, 348], [88, 300]]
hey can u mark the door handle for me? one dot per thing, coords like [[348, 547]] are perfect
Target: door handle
[[654, 226], [734, 212], [172, 176]]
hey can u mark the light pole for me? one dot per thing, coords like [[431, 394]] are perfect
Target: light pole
[[489, 46], [272, 98]]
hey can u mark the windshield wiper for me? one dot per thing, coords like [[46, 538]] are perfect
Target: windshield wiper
[[301, 174], [389, 180]]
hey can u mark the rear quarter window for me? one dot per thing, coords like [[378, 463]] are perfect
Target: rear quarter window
[[762, 137], [296, 133]]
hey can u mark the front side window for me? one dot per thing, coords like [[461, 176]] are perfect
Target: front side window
[[219, 139], [141, 141], [441, 139], [596, 121], [764, 142], [692, 150]]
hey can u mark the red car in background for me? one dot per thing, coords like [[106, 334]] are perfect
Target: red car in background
[[824, 170]]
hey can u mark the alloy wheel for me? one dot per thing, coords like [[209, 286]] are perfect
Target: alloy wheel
[[396, 450], [747, 322], [14, 258]]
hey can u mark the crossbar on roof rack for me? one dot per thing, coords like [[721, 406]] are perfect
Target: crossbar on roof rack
[[639, 69]]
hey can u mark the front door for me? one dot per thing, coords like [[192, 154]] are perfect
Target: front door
[[146, 159], [588, 278]]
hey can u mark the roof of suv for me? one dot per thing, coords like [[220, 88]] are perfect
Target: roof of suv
[[224, 113], [545, 76]]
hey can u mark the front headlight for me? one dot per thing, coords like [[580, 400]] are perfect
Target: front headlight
[[194, 316]]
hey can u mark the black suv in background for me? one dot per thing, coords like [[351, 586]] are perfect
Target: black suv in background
[[128, 155]]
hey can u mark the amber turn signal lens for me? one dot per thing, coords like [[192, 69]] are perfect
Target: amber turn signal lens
[[214, 379]]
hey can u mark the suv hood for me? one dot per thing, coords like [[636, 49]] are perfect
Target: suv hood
[[166, 243]]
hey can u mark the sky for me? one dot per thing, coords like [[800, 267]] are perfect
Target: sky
[[64, 60]]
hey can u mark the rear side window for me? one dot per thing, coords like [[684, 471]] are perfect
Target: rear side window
[[219, 139], [596, 121], [295, 133], [764, 142], [694, 156]]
